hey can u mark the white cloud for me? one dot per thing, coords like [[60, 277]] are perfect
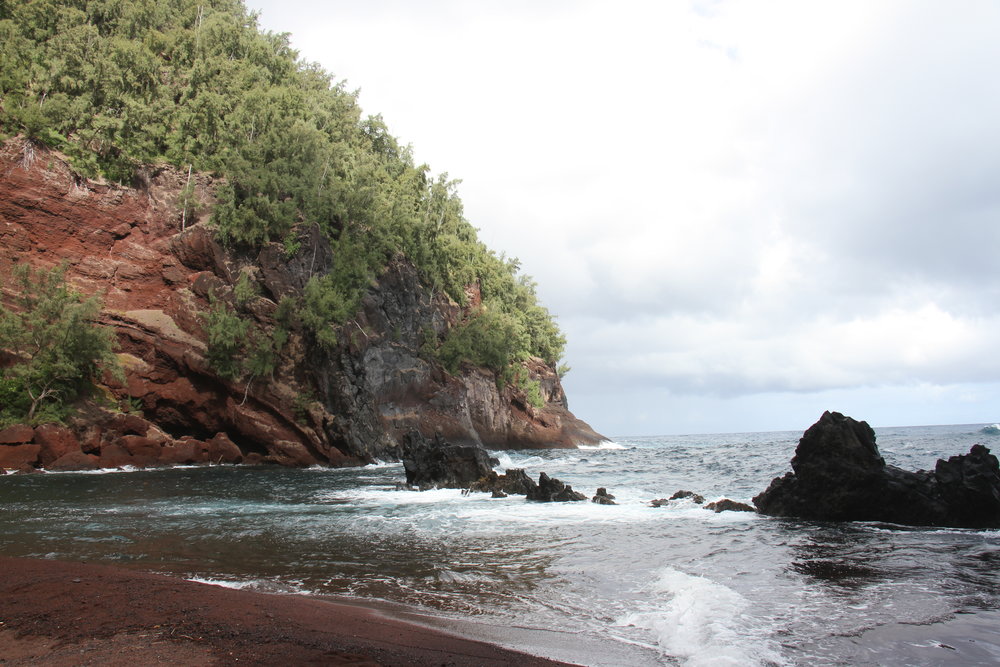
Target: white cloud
[[730, 199]]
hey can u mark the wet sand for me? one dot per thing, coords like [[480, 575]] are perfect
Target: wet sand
[[56, 613]]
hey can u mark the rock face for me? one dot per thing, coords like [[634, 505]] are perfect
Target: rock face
[[839, 475], [435, 463], [345, 406]]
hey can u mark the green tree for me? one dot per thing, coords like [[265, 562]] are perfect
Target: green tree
[[57, 347]]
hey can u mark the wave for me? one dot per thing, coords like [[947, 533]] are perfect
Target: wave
[[703, 622], [992, 429], [604, 444]]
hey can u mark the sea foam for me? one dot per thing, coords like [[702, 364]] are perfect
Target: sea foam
[[702, 623]]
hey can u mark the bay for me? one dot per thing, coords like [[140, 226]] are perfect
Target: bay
[[600, 585]]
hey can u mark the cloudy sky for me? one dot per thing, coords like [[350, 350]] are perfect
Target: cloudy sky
[[742, 213]]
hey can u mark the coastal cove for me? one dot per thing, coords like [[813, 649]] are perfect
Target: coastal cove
[[577, 582]]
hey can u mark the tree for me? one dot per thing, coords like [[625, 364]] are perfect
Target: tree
[[56, 346]]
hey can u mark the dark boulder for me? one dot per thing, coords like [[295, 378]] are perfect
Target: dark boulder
[[678, 495], [550, 489], [727, 505], [839, 475], [431, 463], [513, 482], [603, 497]]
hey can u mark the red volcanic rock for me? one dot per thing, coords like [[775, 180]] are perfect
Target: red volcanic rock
[[115, 456], [75, 461], [223, 450], [293, 454], [16, 435], [17, 456], [183, 452], [56, 441], [344, 407]]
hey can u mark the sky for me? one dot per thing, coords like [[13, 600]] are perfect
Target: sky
[[741, 213]]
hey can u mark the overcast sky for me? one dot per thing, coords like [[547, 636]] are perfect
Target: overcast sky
[[742, 213]]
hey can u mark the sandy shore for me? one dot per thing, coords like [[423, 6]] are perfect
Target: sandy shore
[[58, 613]]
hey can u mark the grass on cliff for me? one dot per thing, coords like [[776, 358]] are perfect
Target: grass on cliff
[[196, 84]]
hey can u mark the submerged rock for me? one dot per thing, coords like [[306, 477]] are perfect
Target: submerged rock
[[695, 498], [727, 505], [431, 463], [678, 495], [839, 475]]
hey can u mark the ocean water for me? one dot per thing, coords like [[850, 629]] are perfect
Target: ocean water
[[599, 585]]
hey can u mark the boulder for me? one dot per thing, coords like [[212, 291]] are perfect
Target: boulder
[[56, 441], [431, 463], [602, 497], [839, 475], [223, 450], [678, 495], [19, 434], [75, 460], [19, 456], [513, 482], [550, 489], [727, 505]]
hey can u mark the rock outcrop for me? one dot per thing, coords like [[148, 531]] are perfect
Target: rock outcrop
[[435, 463], [839, 475], [349, 405], [727, 505], [602, 497], [551, 490]]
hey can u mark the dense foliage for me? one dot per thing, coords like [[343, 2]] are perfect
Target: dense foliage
[[54, 346], [195, 83]]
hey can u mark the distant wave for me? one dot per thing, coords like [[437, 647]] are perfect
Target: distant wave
[[992, 429], [604, 444]]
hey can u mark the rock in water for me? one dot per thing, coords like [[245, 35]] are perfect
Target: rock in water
[[727, 505], [514, 481], [438, 463], [550, 489], [839, 475], [603, 497]]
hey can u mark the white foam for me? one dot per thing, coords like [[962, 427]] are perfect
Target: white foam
[[604, 444], [992, 429], [516, 461], [261, 585], [702, 623]]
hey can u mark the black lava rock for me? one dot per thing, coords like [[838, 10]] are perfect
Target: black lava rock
[[839, 475]]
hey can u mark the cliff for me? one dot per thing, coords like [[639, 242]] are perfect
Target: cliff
[[156, 262]]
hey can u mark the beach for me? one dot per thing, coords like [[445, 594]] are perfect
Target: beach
[[72, 613]]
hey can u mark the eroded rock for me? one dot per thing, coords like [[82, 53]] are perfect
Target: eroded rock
[[436, 463], [839, 475], [551, 490], [727, 505]]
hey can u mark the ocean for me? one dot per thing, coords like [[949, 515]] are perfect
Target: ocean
[[628, 584]]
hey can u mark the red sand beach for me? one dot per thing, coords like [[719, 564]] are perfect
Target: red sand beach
[[57, 613]]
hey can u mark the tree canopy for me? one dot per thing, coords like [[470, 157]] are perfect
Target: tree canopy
[[55, 346], [196, 84]]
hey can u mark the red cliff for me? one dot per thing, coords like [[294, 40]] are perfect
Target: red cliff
[[155, 263]]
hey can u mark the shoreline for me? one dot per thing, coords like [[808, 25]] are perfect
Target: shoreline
[[76, 613]]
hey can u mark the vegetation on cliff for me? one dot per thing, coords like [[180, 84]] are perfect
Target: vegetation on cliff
[[195, 84], [56, 349]]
